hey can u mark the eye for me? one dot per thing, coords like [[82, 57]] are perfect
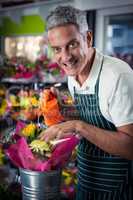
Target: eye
[[73, 44], [56, 50]]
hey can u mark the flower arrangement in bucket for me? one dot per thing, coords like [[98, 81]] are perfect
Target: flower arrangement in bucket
[[40, 163]]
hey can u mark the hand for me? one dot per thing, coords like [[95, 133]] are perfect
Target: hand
[[59, 131]]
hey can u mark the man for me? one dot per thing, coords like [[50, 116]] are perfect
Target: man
[[102, 88]]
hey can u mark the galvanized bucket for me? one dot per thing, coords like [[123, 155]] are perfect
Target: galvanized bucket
[[40, 185]]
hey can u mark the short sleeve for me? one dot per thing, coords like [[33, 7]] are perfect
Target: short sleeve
[[121, 105]]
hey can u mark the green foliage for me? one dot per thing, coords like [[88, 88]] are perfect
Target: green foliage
[[37, 26]]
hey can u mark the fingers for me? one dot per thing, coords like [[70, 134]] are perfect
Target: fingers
[[58, 131], [42, 135], [49, 134]]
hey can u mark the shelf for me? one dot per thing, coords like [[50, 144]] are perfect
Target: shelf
[[18, 81], [33, 80]]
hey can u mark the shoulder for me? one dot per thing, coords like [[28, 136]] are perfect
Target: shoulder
[[113, 70], [116, 91], [115, 66], [114, 75]]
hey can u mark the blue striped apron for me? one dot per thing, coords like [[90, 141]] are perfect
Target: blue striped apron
[[101, 176]]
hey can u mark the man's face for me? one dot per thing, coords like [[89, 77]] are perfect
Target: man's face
[[70, 49]]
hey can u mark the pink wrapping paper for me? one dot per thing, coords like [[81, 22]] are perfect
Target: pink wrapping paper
[[63, 151], [21, 155]]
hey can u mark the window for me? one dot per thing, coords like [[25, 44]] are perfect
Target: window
[[29, 47]]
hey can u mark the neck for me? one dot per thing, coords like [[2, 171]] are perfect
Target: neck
[[81, 78]]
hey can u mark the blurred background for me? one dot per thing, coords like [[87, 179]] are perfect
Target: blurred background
[[26, 65]]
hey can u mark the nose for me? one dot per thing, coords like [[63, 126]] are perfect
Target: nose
[[66, 55]]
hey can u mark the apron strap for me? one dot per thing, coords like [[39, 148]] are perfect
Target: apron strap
[[97, 82]]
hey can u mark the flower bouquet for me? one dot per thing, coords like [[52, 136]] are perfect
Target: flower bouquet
[[30, 153], [39, 163]]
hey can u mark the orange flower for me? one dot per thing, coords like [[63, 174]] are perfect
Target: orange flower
[[50, 108]]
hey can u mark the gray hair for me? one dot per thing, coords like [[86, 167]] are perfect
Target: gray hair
[[64, 15]]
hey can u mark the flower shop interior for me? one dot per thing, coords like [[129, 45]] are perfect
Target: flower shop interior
[[27, 69]]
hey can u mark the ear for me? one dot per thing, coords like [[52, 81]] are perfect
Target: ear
[[89, 37]]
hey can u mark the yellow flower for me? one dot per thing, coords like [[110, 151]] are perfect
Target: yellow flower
[[13, 100], [2, 93], [1, 157], [40, 146], [68, 180], [68, 177], [34, 101], [3, 107], [65, 173], [75, 181], [25, 102], [29, 130]]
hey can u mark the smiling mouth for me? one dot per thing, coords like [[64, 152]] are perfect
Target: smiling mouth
[[71, 64]]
